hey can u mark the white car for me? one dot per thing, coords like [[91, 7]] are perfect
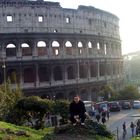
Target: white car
[[136, 104]]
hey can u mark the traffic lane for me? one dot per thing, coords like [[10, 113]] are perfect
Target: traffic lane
[[118, 118]]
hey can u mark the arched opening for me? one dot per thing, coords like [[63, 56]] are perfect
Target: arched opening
[[12, 76], [102, 68], [71, 95], [83, 71], [29, 75], [10, 50], [26, 49], [94, 69], [43, 74], [105, 51], [98, 46], [57, 73], [90, 49], [70, 72], [80, 48], [60, 95], [84, 95], [56, 48], [41, 48], [68, 46], [94, 94]]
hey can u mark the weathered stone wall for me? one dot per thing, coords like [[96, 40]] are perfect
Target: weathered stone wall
[[59, 52], [54, 18]]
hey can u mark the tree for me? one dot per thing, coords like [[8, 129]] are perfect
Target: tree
[[8, 98], [129, 92], [107, 92]]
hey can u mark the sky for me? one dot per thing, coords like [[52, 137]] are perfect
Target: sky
[[128, 11]]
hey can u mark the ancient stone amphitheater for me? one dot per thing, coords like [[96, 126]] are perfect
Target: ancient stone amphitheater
[[57, 52]]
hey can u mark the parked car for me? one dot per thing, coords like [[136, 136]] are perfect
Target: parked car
[[89, 108], [114, 106], [136, 104], [126, 105], [102, 106]]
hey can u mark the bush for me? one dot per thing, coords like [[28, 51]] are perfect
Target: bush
[[32, 108], [61, 107]]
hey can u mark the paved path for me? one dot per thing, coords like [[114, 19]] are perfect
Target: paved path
[[117, 119]]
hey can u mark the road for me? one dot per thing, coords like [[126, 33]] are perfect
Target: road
[[117, 118]]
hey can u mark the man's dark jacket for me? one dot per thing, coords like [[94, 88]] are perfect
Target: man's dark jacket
[[77, 108]]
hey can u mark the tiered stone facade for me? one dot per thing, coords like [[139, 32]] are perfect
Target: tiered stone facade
[[59, 52]]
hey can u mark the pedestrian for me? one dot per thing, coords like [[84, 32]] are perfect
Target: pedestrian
[[103, 119], [132, 126], [108, 114], [124, 130], [98, 116], [77, 111]]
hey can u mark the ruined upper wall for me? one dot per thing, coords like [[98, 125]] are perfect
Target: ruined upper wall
[[18, 16]]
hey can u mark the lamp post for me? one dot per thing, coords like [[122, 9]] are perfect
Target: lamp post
[[4, 74]]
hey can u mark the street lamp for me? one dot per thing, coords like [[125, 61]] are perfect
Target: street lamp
[[4, 74]]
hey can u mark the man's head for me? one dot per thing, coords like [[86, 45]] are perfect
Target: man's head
[[76, 99]]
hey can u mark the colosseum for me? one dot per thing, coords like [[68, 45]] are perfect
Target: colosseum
[[59, 52]]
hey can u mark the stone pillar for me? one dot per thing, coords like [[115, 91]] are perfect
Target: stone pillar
[[37, 75], [88, 70], [34, 49], [98, 69], [19, 50], [21, 74], [3, 51]]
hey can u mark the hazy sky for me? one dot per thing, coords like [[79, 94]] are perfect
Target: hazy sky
[[128, 12]]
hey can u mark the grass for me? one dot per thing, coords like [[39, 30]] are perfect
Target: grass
[[33, 134], [136, 138]]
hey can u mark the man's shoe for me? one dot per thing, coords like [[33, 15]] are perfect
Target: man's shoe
[[82, 123], [74, 124]]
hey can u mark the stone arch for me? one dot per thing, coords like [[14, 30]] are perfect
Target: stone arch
[[28, 75], [26, 49], [43, 74], [82, 71], [90, 48], [68, 47], [60, 95], [57, 73], [105, 48], [72, 94], [41, 48], [94, 94], [70, 72], [10, 50], [55, 48], [80, 48], [98, 46], [94, 69], [102, 68], [84, 94], [12, 75]]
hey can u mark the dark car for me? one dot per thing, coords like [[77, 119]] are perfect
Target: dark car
[[126, 105], [114, 106]]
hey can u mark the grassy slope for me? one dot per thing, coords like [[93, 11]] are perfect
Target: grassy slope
[[34, 134]]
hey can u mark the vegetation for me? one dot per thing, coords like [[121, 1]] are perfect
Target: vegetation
[[108, 93], [33, 110], [128, 93], [90, 130], [8, 98], [12, 132]]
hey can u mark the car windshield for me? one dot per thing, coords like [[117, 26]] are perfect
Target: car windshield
[[136, 102]]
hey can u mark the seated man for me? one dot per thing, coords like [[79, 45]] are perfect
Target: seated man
[[77, 111]]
